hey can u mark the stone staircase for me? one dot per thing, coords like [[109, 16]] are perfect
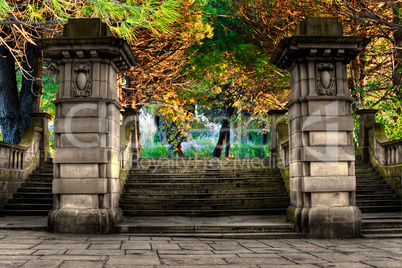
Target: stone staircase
[[210, 197], [34, 197], [214, 187], [204, 187], [373, 194], [379, 204], [382, 225]]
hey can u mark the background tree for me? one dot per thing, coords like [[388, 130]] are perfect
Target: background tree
[[233, 73], [21, 22]]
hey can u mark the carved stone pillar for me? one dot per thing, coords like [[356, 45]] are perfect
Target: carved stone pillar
[[132, 117], [41, 120], [322, 160], [86, 154], [276, 117], [367, 117]]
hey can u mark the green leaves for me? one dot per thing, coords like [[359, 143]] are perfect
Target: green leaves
[[4, 10]]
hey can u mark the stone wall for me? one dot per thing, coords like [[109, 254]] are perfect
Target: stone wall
[[18, 161]]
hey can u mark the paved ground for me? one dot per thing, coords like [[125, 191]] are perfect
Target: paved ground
[[20, 248], [38, 248]]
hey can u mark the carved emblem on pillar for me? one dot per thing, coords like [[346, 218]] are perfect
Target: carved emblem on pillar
[[82, 80], [325, 79]]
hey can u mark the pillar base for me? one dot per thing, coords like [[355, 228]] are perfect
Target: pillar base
[[84, 221], [326, 222], [334, 222]]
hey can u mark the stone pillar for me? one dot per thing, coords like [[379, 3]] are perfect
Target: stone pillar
[[86, 154], [41, 120], [131, 117], [322, 160], [276, 117], [367, 117]]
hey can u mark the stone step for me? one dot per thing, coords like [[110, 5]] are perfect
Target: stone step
[[195, 195], [367, 203], [34, 190], [373, 209], [382, 236], [381, 223], [382, 231], [39, 180], [198, 190], [201, 175], [26, 212], [36, 184], [166, 200], [361, 170], [205, 213], [31, 200], [373, 186], [376, 197], [280, 228], [193, 206], [202, 185], [22, 195], [371, 182], [28, 206], [205, 180], [200, 171], [374, 191], [270, 236], [369, 178], [41, 175]]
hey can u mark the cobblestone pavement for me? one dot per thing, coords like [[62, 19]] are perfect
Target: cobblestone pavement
[[43, 249]]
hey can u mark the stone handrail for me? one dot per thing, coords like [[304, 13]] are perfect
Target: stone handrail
[[385, 151], [20, 156], [18, 161]]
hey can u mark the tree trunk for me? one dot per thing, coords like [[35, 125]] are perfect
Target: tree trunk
[[397, 76], [175, 149], [227, 145], [31, 86], [223, 133], [9, 104], [139, 136], [264, 138], [160, 124]]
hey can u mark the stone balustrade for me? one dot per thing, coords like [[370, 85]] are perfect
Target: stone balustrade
[[374, 147], [18, 161], [385, 151], [129, 151]]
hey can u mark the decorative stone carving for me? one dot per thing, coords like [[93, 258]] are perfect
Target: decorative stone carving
[[325, 79], [82, 80]]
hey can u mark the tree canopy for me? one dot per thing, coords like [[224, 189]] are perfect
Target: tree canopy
[[201, 56]]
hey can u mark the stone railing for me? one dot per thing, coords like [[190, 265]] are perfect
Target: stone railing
[[386, 152], [279, 151], [18, 161], [374, 147]]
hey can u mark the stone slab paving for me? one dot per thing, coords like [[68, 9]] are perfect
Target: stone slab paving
[[23, 248]]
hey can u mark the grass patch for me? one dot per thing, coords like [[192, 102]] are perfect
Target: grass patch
[[203, 147]]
